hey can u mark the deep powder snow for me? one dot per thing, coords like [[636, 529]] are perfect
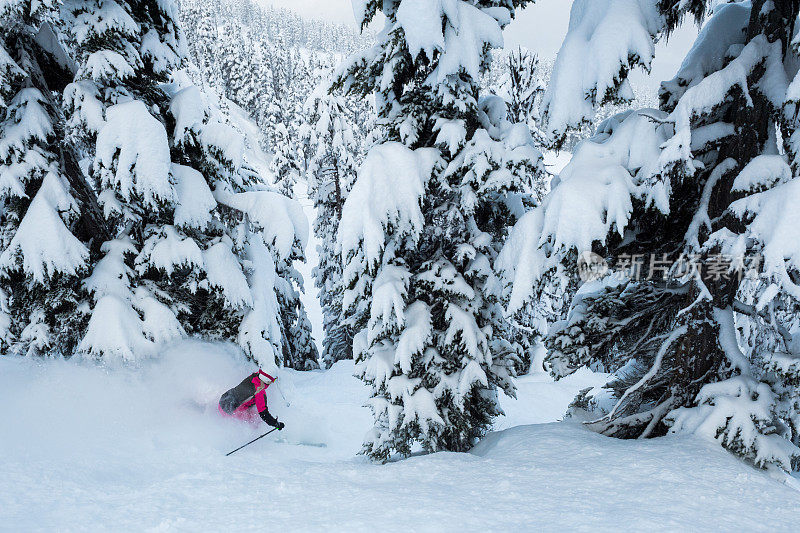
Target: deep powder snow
[[87, 447]]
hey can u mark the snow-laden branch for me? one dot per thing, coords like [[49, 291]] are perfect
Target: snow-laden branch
[[592, 197], [280, 219], [606, 39], [386, 197]]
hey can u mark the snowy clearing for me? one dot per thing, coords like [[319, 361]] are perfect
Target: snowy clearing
[[87, 447]]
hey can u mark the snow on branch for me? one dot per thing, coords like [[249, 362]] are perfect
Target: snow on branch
[[197, 120], [739, 414], [280, 219], [133, 154], [774, 222], [9, 71], [42, 242], [605, 40], [709, 93], [194, 198], [467, 31], [726, 28], [260, 332], [386, 198], [592, 196]]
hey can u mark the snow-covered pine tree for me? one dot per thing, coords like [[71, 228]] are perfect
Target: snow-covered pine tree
[[706, 180], [232, 59], [523, 86], [123, 52], [201, 24], [331, 172], [42, 259], [191, 252], [424, 220], [298, 348], [293, 80], [286, 157], [287, 165]]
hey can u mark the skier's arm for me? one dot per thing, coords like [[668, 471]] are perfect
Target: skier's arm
[[261, 405], [268, 418]]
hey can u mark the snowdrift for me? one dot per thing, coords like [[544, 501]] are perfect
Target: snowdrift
[[87, 447]]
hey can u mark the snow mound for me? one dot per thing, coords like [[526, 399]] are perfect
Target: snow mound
[[660, 484]]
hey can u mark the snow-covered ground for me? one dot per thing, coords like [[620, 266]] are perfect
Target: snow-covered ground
[[86, 447]]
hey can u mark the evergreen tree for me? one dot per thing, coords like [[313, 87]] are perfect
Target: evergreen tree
[[523, 86], [200, 22], [130, 214], [286, 157], [299, 350], [422, 225], [701, 181], [42, 259], [331, 173], [122, 52]]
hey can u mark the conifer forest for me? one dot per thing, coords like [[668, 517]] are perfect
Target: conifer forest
[[400, 265]]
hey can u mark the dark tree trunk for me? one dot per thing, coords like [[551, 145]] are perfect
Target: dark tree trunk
[[92, 225], [699, 354], [337, 190]]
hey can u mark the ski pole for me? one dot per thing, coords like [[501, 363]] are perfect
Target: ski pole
[[251, 442], [281, 393]]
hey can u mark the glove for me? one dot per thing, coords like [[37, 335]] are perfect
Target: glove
[[280, 426]]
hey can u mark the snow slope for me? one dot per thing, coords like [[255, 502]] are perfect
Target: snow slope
[[86, 447]]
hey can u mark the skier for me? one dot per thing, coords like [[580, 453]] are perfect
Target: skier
[[251, 391]]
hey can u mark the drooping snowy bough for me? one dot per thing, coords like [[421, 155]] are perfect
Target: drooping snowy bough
[[703, 191], [425, 220]]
